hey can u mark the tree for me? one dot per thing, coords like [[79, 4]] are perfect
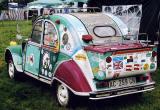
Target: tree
[[3, 5], [24, 2]]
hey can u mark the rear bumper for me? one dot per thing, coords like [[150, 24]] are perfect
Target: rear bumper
[[122, 91]]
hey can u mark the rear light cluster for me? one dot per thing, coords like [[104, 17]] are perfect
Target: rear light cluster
[[87, 38], [154, 54], [142, 78], [102, 84]]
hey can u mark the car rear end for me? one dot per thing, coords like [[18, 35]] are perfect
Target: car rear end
[[119, 66], [121, 71]]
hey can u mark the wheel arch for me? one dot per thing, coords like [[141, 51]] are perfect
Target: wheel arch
[[69, 74], [14, 53], [8, 55]]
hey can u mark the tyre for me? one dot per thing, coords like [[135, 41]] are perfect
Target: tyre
[[137, 95], [63, 95], [12, 72]]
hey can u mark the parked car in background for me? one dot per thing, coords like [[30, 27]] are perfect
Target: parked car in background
[[85, 54]]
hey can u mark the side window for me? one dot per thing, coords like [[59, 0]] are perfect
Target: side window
[[37, 31], [50, 35]]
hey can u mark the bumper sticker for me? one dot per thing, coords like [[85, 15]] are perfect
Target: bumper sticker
[[117, 63]]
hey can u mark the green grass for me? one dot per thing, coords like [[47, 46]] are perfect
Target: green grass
[[30, 94], [8, 32]]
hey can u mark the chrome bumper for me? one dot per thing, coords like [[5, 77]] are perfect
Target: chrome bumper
[[122, 91]]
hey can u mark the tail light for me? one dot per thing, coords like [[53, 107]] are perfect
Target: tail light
[[108, 59], [154, 54], [87, 38], [144, 78], [102, 84]]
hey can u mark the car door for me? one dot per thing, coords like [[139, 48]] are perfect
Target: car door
[[33, 49], [50, 49]]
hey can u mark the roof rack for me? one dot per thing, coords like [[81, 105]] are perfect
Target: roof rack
[[75, 10], [78, 10]]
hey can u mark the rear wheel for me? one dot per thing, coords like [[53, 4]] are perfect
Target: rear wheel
[[63, 95]]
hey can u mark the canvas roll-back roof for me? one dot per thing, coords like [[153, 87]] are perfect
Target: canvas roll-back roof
[[90, 20], [93, 18]]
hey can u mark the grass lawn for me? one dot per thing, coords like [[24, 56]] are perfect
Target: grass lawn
[[30, 94]]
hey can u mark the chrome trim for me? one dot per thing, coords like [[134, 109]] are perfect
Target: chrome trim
[[45, 77], [73, 91], [120, 95], [36, 77], [122, 91]]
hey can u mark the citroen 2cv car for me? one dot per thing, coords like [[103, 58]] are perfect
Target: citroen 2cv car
[[86, 54]]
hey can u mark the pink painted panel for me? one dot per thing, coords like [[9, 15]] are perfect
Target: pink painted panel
[[103, 49], [71, 74]]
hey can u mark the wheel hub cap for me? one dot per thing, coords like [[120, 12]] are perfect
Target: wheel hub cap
[[63, 95], [11, 70]]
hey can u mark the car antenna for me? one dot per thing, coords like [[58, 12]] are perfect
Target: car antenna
[[18, 33]]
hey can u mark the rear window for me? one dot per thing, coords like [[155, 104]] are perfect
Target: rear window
[[104, 31]]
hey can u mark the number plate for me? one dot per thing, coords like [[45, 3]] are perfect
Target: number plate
[[122, 82]]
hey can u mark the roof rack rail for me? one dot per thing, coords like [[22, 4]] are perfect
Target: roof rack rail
[[75, 10]]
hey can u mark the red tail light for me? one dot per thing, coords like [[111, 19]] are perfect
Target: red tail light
[[144, 78], [102, 84], [108, 59], [105, 84], [141, 78], [154, 54], [87, 38]]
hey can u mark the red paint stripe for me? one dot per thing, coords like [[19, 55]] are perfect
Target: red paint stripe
[[133, 51], [128, 65], [136, 68], [136, 65], [50, 48], [128, 69]]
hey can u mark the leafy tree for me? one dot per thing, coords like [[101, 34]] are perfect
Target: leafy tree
[[3, 5], [23, 1]]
